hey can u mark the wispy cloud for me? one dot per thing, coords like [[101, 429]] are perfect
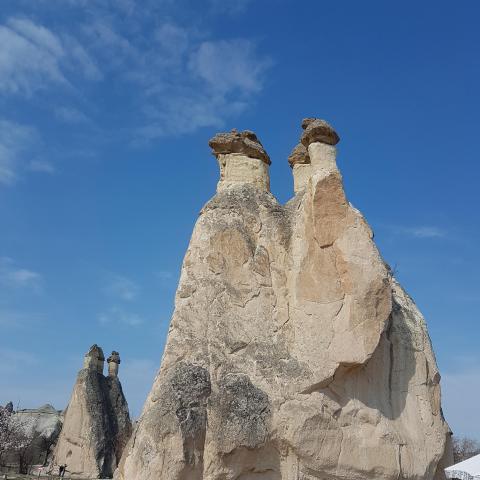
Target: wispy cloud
[[41, 166], [215, 81], [231, 7], [70, 115], [172, 79], [33, 57], [422, 231], [15, 142], [121, 287], [119, 316], [12, 276], [229, 65]]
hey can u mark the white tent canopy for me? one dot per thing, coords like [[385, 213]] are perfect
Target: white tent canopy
[[466, 470]]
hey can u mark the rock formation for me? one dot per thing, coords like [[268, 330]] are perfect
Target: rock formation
[[292, 354], [45, 421], [97, 423]]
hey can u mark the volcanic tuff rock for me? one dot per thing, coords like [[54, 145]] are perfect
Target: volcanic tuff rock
[[44, 421], [245, 142], [292, 352], [316, 130], [97, 423]]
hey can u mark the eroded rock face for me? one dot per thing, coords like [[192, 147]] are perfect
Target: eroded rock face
[[97, 424], [292, 352], [245, 142]]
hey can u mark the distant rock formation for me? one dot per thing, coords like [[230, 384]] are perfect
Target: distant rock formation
[[97, 422], [292, 354], [45, 421]]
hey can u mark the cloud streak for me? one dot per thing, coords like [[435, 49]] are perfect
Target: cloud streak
[[119, 316], [122, 288], [421, 232], [12, 276], [32, 57]]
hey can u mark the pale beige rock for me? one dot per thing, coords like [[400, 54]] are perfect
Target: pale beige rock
[[292, 353], [301, 175], [236, 168], [97, 424]]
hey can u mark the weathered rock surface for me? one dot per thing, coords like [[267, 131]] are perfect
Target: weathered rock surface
[[97, 423], [245, 142], [299, 155], [45, 422], [316, 130], [292, 352]]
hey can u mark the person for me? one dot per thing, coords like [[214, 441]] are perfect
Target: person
[[64, 469], [61, 471]]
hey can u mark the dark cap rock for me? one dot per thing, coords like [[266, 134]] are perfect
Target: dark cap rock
[[114, 357], [299, 156], [245, 142], [316, 130]]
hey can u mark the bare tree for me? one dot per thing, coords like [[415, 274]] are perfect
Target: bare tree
[[464, 448], [45, 445], [15, 443], [8, 431], [23, 451]]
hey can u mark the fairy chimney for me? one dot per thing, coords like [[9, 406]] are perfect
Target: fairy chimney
[[113, 362], [94, 359], [316, 152], [241, 158]]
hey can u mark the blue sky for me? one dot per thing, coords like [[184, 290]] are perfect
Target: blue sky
[[106, 108]]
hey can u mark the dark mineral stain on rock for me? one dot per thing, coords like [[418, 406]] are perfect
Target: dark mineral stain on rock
[[243, 411], [191, 387]]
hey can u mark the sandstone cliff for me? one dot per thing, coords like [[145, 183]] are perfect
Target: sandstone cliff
[[292, 352], [97, 423]]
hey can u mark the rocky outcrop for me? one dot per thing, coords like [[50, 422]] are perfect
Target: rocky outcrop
[[97, 423], [45, 422], [292, 352]]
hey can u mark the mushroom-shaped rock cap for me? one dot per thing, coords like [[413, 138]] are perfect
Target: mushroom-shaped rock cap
[[114, 357], [95, 351], [316, 130], [299, 156], [245, 142]]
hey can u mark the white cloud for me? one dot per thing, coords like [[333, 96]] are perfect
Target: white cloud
[[41, 166], [13, 277], [70, 115], [174, 79], [32, 57], [229, 65], [122, 287], [424, 231], [231, 7], [117, 315], [15, 141]]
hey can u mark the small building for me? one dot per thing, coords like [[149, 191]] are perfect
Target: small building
[[467, 470]]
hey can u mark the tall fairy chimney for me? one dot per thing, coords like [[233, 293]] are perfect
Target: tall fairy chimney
[[242, 159], [94, 359], [316, 152], [113, 362]]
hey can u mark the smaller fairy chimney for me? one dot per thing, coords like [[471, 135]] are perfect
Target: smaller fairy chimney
[[299, 160], [316, 152], [113, 362], [242, 159], [94, 359]]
